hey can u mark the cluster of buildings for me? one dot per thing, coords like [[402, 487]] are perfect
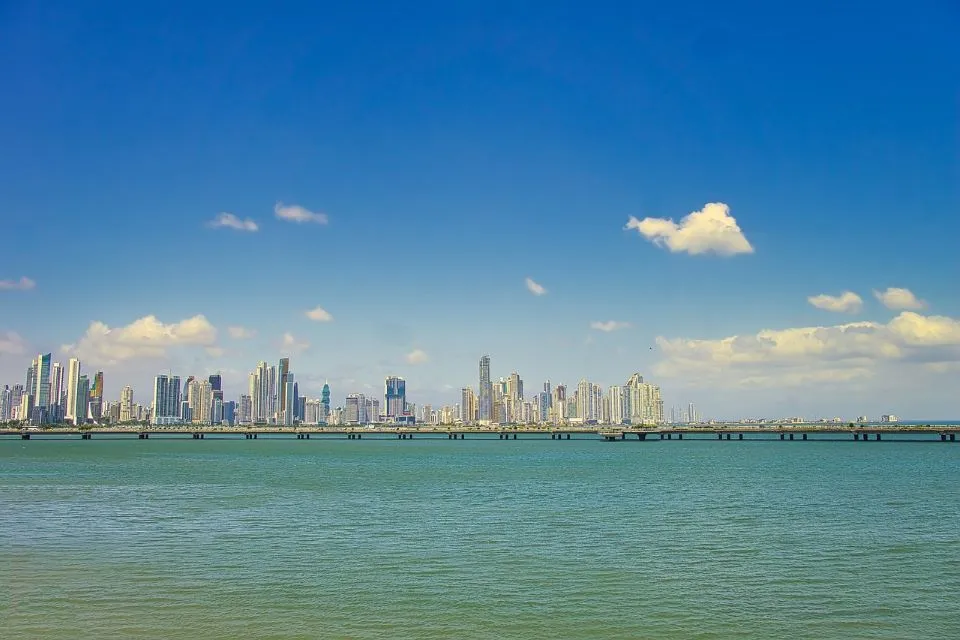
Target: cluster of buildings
[[503, 402], [53, 394]]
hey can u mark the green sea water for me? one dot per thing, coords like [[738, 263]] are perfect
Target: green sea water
[[478, 539]]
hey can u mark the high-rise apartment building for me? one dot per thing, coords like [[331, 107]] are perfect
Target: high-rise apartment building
[[126, 404], [6, 404], [351, 410], [486, 391], [468, 405], [166, 399], [41, 396], [395, 396], [283, 370], [83, 400], [73, 379]]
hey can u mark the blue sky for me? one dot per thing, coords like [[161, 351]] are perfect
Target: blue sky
[[456, 151]]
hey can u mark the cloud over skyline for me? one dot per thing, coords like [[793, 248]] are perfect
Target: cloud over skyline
[[802, 355], [230, 221], [609, 325], [417, 356], [710, 230], [23, 284], [534, 287], [846, 302], [298, 214], [898, 299], [146, 337], [290, 344], [319, 314]]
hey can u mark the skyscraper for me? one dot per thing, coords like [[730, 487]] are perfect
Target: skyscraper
[[486, 390], [126, 404], [395, 396], [73, 379], [166, 399], [351, 410], [468, 405], [325, 402], [83, 400], [283, 370], [42, 393], [6, 403]]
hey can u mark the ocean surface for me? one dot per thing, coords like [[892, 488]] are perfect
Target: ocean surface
[[479, 539]]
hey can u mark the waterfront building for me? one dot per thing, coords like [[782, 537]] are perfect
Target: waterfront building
[[325, 402], [166, 400], [643, 403], [42, 392], [73, 379], [244, 410], [83, 400], [126, 404], [617, 403], [6, 403], [395, 396], [351, 410], [485, 391], [283, 372], [30, 386], [468, 405]]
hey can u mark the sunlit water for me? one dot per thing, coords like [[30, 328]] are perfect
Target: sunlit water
[[478, 539]]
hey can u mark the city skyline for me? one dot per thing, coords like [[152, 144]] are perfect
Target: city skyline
[[757, 213], [202, 400]]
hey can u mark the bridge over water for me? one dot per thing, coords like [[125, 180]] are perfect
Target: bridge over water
[[913, 433]]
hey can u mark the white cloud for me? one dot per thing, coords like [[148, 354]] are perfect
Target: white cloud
[[798, 356], [215, 352], [146, 337], [417, 356], [896, 298], [534, 287], [296, 213], [609, 325], [290, 344], [712, 229], [319, 314], [23, 284], [240, 333], [846, 302], [231, 221], [11, 343]]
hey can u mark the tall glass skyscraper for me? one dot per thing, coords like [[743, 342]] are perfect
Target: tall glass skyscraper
[[395, 396], [166, 399], [486, 390]]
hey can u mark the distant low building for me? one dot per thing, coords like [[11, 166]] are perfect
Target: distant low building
[[889, 418]]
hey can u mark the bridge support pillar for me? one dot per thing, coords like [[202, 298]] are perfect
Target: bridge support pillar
[[568, 437], [669, 436], [878, 436], [24, 436], [640, 436], [953, 437], [719, 436], [514, 436], [661, 436], [804, 436], [728, 436], [791, 436], [781, 436], [739, 436]]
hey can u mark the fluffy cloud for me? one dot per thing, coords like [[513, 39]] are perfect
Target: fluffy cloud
[[230, 221], [296, 213], [11, 343], [710, 230], [319, 314], [609, 325], [797, 356], [535, 287], [146, 337], [240, 333], [23, 284], [896, 298], [846, 302], [417, 356], [289, 344]]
